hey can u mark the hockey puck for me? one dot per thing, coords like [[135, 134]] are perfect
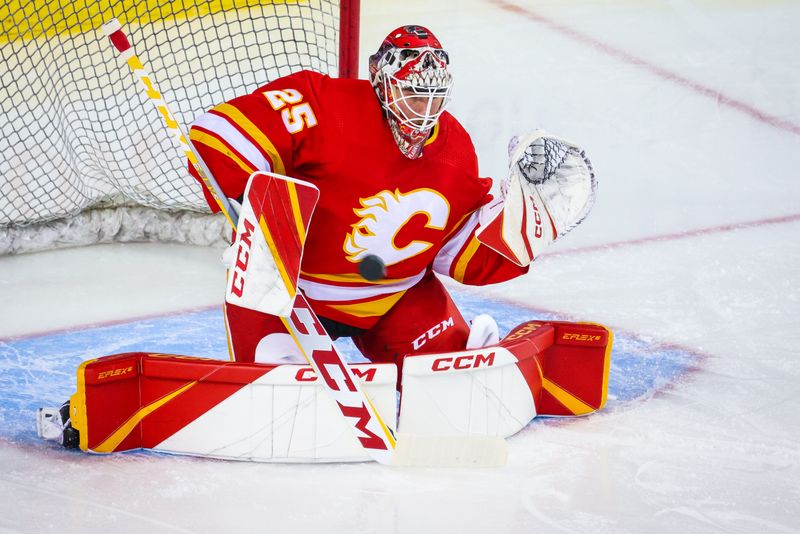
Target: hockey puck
[[372, 268]]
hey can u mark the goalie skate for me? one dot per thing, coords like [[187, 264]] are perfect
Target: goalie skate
[[54, 424]]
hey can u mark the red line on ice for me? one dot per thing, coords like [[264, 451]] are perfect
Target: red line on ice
[[102, 324], [678, 235], [595, 248], [626, 57]]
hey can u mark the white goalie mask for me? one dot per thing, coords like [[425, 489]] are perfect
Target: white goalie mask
[[410, 75]]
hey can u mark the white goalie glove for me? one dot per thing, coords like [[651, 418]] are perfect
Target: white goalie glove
[[549, 190]]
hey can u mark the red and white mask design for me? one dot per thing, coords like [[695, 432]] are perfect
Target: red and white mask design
[[411, 78]]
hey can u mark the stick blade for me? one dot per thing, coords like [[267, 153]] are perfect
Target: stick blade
[[417, 450]]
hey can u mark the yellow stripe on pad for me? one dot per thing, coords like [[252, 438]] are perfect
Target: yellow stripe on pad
[[77, 407], [571, 402], [287, 280], [298, 215], [113, 441], [433, 136], [607, 363]]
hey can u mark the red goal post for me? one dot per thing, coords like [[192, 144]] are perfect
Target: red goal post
[[84, 157]]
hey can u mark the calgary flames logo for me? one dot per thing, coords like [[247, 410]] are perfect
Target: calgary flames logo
[[382, 216]]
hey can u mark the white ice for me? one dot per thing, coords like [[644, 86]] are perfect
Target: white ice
[[690, 112]]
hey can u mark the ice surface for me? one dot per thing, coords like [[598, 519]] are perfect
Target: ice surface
[[702, 434]]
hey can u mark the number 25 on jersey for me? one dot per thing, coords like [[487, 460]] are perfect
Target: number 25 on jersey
[[296, 114]]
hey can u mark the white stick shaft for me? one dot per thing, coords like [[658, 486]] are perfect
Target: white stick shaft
[[338, 378], [113, 30], [367, 425]]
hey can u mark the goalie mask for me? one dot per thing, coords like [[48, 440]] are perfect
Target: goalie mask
[[410, 76]]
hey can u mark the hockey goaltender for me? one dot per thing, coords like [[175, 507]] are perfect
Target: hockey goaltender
[[392, 181]]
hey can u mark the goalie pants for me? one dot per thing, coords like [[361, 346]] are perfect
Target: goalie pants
[[424, 320]]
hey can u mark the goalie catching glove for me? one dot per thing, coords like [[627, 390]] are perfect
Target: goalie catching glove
[[549, 190]]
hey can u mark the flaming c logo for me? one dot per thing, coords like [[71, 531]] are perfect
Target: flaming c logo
[[381, 218]]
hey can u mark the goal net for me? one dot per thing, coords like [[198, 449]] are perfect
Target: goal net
[[84, 156]]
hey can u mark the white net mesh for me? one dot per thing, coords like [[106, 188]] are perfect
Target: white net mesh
[[77, 133]]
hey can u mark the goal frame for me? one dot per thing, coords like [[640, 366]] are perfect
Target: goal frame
[[349, 25]]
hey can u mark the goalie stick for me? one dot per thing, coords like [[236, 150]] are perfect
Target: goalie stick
[[368, 427], [113, 29], [318, 349]]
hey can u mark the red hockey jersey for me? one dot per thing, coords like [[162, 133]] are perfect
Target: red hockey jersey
[[416, 215]]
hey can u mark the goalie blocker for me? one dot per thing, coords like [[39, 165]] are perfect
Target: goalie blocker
[[280, 413]]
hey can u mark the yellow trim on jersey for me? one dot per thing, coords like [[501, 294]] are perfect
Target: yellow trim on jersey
[[572, 403], [287, 280], [433, 136], [238, 118], [214, 142], [113, 441], [373, 308], [298, 215], [461, 266]]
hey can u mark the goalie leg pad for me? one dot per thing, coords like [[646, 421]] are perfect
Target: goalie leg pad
[[264, 412], [539, 368], [220, 409]]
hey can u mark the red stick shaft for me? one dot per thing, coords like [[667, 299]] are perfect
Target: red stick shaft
[[119, 40]]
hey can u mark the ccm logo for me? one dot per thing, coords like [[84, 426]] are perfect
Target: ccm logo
[[308, 375], [537, 219], [433, 332], [524, 331], [580, 337], [242, 258], [337, 377], [114, 372], [468, 361]]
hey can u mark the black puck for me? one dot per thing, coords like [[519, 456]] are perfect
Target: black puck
[[372, 268]]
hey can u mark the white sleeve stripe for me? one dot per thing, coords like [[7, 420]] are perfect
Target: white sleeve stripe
[[443, 261], [326, 292], [226, 131]]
